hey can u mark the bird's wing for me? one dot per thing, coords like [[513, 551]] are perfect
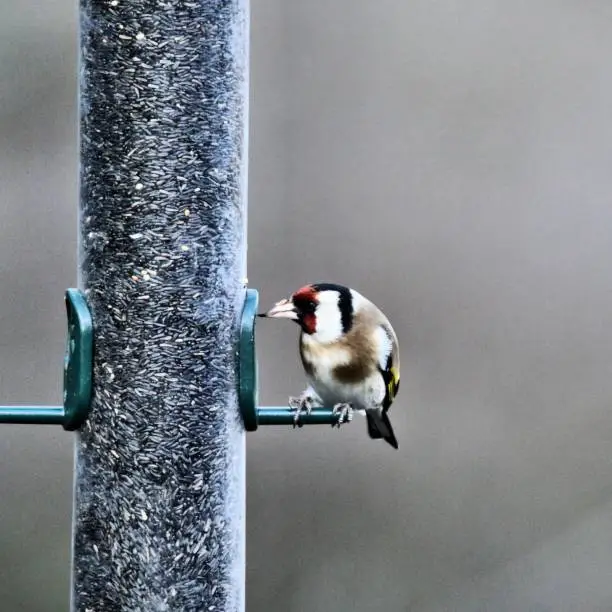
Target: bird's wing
[[388, 362]]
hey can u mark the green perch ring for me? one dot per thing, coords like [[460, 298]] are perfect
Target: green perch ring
[[247, 367], [78, 367]]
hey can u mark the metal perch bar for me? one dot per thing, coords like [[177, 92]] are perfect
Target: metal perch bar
[[278, 415], [267, 415], [32, 415]]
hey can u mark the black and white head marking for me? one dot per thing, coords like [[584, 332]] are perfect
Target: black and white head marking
[[334, 311]]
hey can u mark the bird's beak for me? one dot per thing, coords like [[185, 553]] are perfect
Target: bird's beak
[[282, 310]]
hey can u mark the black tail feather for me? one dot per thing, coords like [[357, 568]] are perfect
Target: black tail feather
[[379, 426], [373, 431]]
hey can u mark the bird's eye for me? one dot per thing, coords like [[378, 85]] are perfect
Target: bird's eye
[[312, 305]]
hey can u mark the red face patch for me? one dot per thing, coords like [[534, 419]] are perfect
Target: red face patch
[[309, 323], [305, 294], [305, 302]]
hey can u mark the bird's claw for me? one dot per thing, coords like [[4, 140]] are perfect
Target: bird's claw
[[344, 412], [301, 405]]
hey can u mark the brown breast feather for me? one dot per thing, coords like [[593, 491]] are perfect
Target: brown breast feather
[[363, 351]]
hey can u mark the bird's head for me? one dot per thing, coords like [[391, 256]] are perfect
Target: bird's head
[[323, 310]]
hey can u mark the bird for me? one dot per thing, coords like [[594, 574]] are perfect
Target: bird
[[349, 352]]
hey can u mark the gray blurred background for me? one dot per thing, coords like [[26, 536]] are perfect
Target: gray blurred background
[[450, 160]]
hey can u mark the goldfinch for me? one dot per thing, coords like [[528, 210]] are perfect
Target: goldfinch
[[349, 352]]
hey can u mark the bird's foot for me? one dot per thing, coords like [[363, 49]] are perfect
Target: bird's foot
[[344, 413], [302, 404]]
